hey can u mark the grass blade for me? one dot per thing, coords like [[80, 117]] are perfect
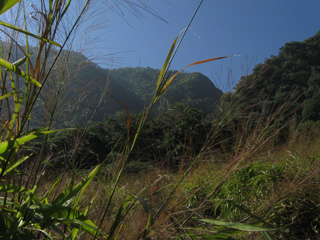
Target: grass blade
[[75, 231], [5, 5], [63, 197], [239, 226], [65, 8], [266, 234], [15, 164], [165, 65]]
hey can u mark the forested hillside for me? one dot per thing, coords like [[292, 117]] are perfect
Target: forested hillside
[[94, 87], [292, 78]]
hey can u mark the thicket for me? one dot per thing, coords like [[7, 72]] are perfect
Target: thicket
[[176, 134]]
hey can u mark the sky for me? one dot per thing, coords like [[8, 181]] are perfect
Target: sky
[[248, 30], [254, 29]]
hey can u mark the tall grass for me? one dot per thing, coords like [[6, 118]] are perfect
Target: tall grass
[[204, 200]]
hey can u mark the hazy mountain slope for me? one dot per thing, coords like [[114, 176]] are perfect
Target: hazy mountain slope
[[133, 87]]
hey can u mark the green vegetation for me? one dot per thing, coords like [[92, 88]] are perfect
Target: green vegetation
[[175, 163], [291, 78], [134, 87]]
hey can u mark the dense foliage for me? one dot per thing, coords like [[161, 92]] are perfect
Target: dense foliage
[[291, 79], [179, 132]]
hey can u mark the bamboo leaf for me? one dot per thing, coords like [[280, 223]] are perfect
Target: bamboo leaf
[[239, 226], [266, 234], [29, 33], [64, 197], [5, 5], [23, 209], [19, 62], [65, 8], [50, 189], [10, 188], [6, 146], [43, 232], [63, 214], [75, 231], [165, 65], [15, 164]]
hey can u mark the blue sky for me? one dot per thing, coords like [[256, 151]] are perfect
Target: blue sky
[[254, 29]]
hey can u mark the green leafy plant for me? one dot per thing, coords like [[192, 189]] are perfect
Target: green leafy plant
[[26, 213]]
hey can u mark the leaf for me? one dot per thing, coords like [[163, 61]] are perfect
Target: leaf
[[65, 8], [74, 232], [24, 208], [5, 5], [6, 146], [43, 232], [119, 216], [266, 234], [165, 65], [63, 197], [58, 230], [50, 189], [28, 33], [12, 68], [19, 62], [10, 188], [5, 222], [239, 226], [144, 204], [15, 164], [146, 209], [63, 214]]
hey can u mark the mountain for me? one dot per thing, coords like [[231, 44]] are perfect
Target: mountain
[[91, 90], [289, 81]]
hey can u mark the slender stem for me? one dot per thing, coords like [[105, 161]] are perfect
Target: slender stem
[[184, 33]]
